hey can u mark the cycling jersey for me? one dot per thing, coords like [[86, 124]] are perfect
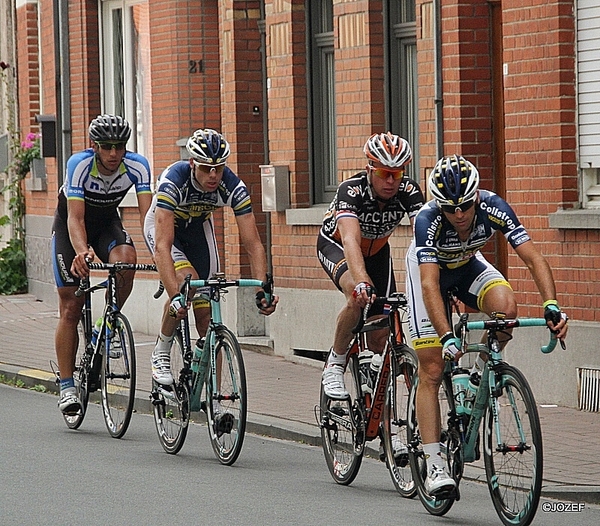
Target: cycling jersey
[[355, 198], [436, 241], [101, 193], [179, 192], [195, 243]]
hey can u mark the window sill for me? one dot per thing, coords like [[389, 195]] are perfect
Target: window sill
[[306, 216], [575, 219]]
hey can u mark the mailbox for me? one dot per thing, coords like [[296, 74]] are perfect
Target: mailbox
[[275, 186]]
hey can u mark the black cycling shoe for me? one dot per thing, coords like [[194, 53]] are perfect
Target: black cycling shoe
[[224, 423]]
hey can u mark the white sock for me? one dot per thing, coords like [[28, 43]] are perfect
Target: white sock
[[336, 359], [432, 455], [163, 343]]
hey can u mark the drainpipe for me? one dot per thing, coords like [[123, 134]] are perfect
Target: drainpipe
[[62, 85], [265, 119], [439, 92]]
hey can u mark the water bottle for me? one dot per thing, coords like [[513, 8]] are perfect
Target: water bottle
[[376, 362], [96, 330], [364, 364], [471, 393], [460, 382]]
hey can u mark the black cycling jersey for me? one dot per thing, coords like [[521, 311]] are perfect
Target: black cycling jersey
[[355, 198]]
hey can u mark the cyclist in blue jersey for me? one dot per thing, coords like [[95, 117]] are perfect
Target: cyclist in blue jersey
[[87, 224], [179, 231], [445, 253], [353, 245]]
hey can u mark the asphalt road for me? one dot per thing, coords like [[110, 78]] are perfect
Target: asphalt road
[[52, 475]]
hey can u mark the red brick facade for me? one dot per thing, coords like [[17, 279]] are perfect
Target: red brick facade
[[518, 127]]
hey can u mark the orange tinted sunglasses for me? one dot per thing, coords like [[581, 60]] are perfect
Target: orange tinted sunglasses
[[384, 173]]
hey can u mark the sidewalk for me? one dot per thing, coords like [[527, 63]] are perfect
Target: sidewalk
[[282, 395]]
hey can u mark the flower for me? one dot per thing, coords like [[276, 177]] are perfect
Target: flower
[[26, 153]]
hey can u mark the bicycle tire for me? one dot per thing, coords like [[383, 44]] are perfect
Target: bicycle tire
[[227, 407], [342, 428], [416, 458], [118, 380], [171, 403], [514, 469], [394, 423], [80, 377]]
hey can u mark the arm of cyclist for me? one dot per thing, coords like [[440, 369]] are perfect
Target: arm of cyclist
[[165, 235], [436, 310], [265, 301], [542, 275], [78, 237], [364, 292], [144, 200]]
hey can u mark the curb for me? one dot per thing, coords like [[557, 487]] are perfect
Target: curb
[[279, 428]]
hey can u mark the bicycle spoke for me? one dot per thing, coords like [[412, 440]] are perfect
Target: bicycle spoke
[[226, 403], [118, 376], [513, 450]]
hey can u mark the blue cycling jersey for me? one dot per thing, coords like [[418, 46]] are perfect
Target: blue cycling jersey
[[102, 193], [179, 192], [436, 241]]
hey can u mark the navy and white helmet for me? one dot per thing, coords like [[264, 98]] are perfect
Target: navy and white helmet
[[453, 181], [208, 147], [109, 128], [388, 149]]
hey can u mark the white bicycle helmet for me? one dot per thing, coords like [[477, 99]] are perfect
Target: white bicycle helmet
[[453, 181], [388, 149], [209, 147]]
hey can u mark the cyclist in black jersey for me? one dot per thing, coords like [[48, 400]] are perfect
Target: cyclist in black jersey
[[179, 230], [353, 243], [87, 224], [449, 232]]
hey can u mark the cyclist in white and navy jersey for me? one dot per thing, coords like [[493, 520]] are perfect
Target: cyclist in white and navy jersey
[[445, 254], [87, 224], [179, 230], [353, 245]]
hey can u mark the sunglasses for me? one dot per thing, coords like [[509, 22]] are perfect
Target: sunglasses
[[463, 207], [207, 168], [384, 173], [118, 146]]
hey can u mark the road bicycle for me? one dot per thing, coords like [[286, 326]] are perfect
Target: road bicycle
[[375, 411], [106, 353], [209, 376], [512, 438]]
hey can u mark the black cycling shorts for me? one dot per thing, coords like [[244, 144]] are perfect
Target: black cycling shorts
[[379, 267], [102, 236]]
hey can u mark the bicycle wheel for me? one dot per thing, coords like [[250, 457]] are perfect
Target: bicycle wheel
[[342, 425], [514, 460], [416, 457], [118, 377], [227, 406], [171, 403], [394, 424], [80, 377]]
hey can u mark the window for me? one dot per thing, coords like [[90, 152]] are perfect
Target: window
[[323, 128], [402, 100], [126, 68], [588, 92]]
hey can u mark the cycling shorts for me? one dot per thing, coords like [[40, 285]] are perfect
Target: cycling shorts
[[195, 247], [471, 282], [102, 236], [379, 267]]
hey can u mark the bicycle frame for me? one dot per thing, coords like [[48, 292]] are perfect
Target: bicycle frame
[[374, 404], [488, 376], [199, 361]]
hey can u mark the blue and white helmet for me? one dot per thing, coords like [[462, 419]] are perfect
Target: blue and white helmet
[[209, 147], [453, 181]]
